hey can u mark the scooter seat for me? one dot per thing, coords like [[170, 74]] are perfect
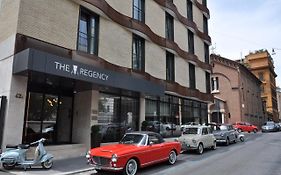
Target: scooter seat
[[11, 146], [23, 146]]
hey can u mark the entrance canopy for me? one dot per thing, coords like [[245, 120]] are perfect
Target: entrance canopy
[[35, 60]]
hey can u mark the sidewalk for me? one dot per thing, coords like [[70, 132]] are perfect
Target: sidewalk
[[61, 167]]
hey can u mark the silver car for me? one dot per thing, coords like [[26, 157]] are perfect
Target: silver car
[[226, 134], [197, 138]]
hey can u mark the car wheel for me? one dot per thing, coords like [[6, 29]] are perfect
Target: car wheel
[[172, 157], [239, 130], [7, 166], [131, 167], [227, 141], [200, 148], [214, 147], [255, 130]]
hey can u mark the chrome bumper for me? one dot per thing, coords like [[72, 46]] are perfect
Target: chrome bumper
[[100, 167]]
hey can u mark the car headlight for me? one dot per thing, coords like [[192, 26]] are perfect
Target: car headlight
[[88, 155], [114, 158], [222, 135], [193, 140]]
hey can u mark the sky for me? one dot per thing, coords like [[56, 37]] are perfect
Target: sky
[[240, 26]]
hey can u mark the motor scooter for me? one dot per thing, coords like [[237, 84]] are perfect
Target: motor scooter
[[240, 136], [15, 155]]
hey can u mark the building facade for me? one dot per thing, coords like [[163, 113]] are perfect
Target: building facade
[[261, 65], [237, 91], [278, 93], [73, 70]]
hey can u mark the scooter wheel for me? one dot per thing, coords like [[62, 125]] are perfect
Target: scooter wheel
[[242, 139], [8, 166], [47, 164]]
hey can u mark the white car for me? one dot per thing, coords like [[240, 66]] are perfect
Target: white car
[[197, 138]]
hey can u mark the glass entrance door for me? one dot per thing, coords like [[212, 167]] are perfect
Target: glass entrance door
[[48, 116]]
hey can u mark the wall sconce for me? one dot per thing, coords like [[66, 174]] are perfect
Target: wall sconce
[[19, 95]]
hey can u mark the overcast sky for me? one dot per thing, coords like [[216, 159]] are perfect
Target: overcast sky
[[239, 26]]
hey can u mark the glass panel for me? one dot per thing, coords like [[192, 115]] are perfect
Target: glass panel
[[117, 116], [49, 117], [32, 129], [63, 126]]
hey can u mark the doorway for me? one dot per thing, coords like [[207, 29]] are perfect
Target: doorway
[[48, 116]]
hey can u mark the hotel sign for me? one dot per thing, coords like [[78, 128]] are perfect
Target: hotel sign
[[80, 71], [38, 61]]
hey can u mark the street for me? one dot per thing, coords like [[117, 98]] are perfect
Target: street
[[260, 154]]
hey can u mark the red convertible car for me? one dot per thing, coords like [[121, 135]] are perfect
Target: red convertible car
[[134, 151]]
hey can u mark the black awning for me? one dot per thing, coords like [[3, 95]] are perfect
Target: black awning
[[35, 60]]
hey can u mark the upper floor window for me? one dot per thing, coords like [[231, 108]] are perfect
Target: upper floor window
[[170, 66], [189, 10], [260, 74], [215, 83], [207, 53], [205, 24], [192, 78], [138, 59], [138, 10], [190, 42], [88, 32], [208, 88], [204, 2], [169, 27]]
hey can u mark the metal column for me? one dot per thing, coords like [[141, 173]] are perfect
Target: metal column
[[3, 103]]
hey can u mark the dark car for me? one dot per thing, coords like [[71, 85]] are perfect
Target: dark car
[[270, 126], [225, 133]]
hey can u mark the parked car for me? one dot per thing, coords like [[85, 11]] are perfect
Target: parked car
[[134, 151], [197, 138], [245, 127], [269, 126], [188, 124], [225, 133]]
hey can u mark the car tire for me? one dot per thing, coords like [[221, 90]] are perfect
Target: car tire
[[200, 148], [227, 141], [255, 130], [131, 167], [7, 166], [214, 147], [172, 158]]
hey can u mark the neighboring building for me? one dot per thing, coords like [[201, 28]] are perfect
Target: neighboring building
[[261, 65], [72, 67], [234, 86], [278, 92], [218, 111]]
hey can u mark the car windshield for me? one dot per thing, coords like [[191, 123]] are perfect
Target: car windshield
[[223, 127], [132, 139], [191, 131], [269, 123]]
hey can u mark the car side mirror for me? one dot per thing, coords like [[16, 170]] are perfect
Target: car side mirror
[[151, 143]]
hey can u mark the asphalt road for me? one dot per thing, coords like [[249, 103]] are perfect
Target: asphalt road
[[260, 154]]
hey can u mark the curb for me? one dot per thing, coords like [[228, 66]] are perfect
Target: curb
[[77, 171]]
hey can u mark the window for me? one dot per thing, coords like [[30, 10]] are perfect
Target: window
[[192, 80], [205, 24], [208, 88], [88, 32], [138, 60], [190, 42], [170, 66], [138, 10], [204, 2], [260, 74], [204, 131], [116, 116], [215, 83], [207, 54], [169, 27], [189, 10]]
